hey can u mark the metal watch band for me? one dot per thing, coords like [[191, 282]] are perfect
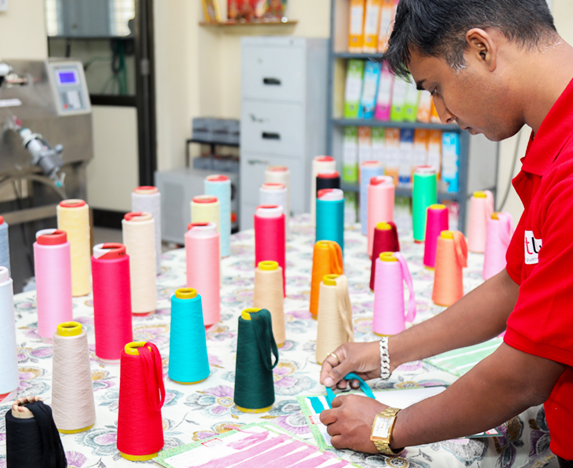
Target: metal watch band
[[384, 447], [384, 359]]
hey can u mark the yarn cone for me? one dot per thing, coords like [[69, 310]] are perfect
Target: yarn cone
[[437, 221], [451, 259], [391, 274], [499, 232], [269, 295], [380, 205], [385, 240], [326, 260], [481, 209], [334, 316]]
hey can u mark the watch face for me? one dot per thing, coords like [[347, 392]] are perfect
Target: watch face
[[382, 427]]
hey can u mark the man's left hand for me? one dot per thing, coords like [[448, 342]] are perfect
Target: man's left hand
[[349, 422]]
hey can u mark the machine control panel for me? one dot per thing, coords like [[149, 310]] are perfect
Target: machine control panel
[[69, 84]]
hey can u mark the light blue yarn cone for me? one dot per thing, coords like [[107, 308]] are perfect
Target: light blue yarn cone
[[188, 360], [330, 221], [4, 246], [222, 190]]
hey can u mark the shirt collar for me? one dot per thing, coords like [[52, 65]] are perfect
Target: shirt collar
[[554, 132]]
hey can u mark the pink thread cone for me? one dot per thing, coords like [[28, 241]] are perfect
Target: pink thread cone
[[481, 209], [437, 221], [380, 205], [499, 232]]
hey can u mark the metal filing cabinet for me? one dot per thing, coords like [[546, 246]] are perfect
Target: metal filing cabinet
[[283, 115]]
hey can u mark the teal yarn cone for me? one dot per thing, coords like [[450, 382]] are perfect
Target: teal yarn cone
[[425, 194], [254, 381], [330, 216], [188, 360]]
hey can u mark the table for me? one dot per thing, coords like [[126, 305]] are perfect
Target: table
[[200, 411]]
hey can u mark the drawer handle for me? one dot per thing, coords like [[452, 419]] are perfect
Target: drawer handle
[[271, 136], [272, 81], [252, 162]]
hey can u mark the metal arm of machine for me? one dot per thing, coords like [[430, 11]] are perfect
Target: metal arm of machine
[[43, 155]]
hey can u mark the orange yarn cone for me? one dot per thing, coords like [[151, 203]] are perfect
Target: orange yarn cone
[[451, 258], [326, 260]]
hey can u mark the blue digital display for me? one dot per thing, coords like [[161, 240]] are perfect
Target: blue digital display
[[67, 77]]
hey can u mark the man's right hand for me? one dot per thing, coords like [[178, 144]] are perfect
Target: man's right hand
[[361, 358]]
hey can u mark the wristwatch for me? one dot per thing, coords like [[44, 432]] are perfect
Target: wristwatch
[[382, 428]]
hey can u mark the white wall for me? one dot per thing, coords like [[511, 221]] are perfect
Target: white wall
[[23, 30]]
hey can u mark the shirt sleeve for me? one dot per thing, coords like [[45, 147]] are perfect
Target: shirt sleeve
[[514, 256], [542, 320]]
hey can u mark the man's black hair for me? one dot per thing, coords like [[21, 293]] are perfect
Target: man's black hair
[[438, 28]]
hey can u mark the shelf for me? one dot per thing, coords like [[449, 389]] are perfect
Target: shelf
[[404, 192], [353, 55], [391, 124], [214, 143], [248, 23]]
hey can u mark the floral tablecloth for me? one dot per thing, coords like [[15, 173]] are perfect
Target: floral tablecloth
[[203, 410]]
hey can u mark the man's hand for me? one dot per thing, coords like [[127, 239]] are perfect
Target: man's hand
[[361, 358], [349, 422]]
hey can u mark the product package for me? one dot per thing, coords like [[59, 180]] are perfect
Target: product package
[[371, 25], [392, 153], [435, 151], [350, 155], [421, 147], [384, 99], [356, 26], [451, 160], [386, 22], [398, 112], [364, 144], [411, 102], [369, 90], [379, 145], [353, 91], [406, 152], [424, 107]]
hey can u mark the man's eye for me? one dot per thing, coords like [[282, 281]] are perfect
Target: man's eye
[[434, 92]]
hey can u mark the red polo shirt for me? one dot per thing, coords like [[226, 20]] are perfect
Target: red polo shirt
[[540, 260]]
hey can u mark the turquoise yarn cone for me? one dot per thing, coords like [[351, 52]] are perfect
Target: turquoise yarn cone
[[254, 381], [330, 216], [425, 194], [188, 360]]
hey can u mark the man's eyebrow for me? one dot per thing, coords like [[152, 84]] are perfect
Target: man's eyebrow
[[420, 85]]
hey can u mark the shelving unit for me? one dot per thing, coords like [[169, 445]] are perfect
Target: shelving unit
[[485, 170]]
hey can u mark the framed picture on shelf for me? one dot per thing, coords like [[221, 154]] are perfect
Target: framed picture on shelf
[[211, 11]]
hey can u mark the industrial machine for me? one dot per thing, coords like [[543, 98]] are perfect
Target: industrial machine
[[45, 144]]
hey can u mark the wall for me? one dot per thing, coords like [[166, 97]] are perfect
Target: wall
[[23, 30]]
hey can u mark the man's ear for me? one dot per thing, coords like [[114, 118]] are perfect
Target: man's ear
[[482, 47]]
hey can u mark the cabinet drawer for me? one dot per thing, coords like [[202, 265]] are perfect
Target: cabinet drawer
[[272, 128], [273, 73], [253, 167]]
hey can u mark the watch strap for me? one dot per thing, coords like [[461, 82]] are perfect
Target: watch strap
[[383, 446]]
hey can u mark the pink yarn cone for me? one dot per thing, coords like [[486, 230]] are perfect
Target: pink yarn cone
[[391, 273], [499, 232], [481, 209], [437, 221], [380, 205]]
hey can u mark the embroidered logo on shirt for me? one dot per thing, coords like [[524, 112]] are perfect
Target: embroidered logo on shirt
[[532, 248]]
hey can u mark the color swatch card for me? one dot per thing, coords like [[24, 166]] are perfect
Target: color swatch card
[[353, 91], [312, 406], [255, 445]]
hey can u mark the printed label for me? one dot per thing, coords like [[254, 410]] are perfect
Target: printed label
[[212, 442], [532, 248]]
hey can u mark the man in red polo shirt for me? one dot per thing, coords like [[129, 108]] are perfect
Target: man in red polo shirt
[[492, 67]]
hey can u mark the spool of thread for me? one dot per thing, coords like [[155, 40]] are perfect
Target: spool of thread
[[334, 316], [280, 175], [148, 200], [326, 260], [74, 220], [112, 301], [425, 194], [385, 240], [52, 265], [380, 205], [72, 385], [141, 396], [270, 243], [451, 259], [368, 169], [269, 295], [187, 339], [481, 209], [204, 268], [219, 186], [254, 382], [9, 377], [139, 241], [320, 164], [330, 216], [32, 439], [206, 209], [327, 179], [275, 194], [4, 244], [391, 274], [437, 221], [499, 232]]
